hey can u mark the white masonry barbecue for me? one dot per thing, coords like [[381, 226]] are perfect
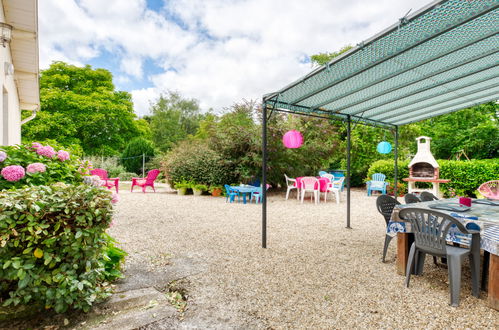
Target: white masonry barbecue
[[424, 168]]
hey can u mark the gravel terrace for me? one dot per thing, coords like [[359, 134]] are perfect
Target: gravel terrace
[[315, 273]]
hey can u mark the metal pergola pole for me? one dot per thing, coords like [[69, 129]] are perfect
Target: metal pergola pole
[[349, 120], [264, 175], [395, 170]]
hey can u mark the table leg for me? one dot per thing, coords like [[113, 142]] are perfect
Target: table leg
[[403, 245], [493, 294]]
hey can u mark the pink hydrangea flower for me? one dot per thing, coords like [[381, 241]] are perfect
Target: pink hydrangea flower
[[13, 173], [3, 156], [36, 145], [62, 155], [36, 168], [116, 198], [46, 151]]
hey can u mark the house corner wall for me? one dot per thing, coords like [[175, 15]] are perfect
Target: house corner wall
[[10, 118]]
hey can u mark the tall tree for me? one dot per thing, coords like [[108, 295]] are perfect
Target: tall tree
[[173, 119], [474, 130], [79, 105]]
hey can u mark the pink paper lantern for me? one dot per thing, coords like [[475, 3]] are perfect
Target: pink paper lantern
[[292, 139]]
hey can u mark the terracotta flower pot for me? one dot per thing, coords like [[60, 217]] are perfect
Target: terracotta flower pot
[[216, 192]]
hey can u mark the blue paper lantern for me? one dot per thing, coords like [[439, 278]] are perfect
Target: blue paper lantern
[[384, 147]]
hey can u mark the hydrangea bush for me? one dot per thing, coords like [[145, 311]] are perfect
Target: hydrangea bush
[[53, 247], [36, 164]]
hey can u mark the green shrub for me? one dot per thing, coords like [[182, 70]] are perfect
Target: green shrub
[[386, 167], [132, 155], [53, 252], [200, 187], [110, 164], [183, 184], [113, 259], [465, 176], [196, 162], [127, 176], [56, 170]]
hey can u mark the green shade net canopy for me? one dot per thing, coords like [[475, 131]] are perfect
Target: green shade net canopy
[[440, 59]]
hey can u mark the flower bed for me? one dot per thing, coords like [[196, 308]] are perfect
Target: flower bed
[[36, 164]]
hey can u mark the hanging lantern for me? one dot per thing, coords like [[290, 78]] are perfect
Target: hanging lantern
[[384, 147], [292, 139]]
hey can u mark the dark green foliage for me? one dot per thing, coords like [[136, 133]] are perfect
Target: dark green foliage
[[465, 176], [474, 130], [53, 251], [196, 162], [56, 170], [132, 156], [80, 106]]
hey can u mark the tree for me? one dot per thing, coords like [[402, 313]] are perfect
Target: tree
[[79, 105], [173, 119], [474, 130], [136, 153], [324, 58]]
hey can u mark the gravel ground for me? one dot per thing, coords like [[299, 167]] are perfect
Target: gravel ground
[[315, 273]]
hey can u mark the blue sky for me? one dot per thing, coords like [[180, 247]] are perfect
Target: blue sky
[[217, 51]]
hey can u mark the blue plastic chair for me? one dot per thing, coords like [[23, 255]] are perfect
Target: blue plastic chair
[[321, 173], [377, 183], [231, 194], [337, 175], [258, 195]]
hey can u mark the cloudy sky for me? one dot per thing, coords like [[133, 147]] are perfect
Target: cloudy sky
[[217, 51]]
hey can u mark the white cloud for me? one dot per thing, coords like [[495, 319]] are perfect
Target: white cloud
[[142, 99], [217, 51]]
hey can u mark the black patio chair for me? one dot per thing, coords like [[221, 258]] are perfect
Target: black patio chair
[[427, 196], [430, 233], [385, 205], [411, 198]]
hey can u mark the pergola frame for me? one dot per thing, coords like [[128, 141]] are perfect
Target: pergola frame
[[441, 59]]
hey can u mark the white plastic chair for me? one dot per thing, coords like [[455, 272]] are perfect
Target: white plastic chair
[[329, 176], [310, 184], [334, 187], [291, 185]]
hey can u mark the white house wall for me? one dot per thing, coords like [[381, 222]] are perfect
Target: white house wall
[[10, 120]]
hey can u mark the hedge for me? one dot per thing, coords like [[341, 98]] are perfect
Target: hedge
[[54, 251], [465, 176], [196, 163]]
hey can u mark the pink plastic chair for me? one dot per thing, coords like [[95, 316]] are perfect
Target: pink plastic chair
[[148, 181], [490, 189], [109, 182]]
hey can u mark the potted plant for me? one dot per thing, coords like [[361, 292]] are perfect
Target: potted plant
[[216, 191], [198, 189], [401, 189], [182, 187]]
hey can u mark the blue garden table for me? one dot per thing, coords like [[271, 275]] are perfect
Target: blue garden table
[[244, 190]]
